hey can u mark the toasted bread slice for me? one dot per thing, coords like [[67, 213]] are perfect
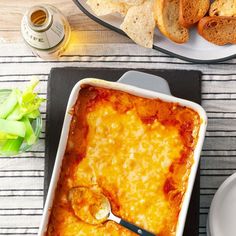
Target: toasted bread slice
[[223, 8], [167, 18], [219, 30], [191, 11]]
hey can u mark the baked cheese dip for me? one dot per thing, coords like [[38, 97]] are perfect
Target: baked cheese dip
[[136, 151]]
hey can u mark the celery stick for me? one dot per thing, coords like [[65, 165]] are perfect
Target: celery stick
[[30, 137], [16, 114], [11, 146], [12, 127], [34, 114], [28, 100], [8, 105], [4, 136], [2, 141]]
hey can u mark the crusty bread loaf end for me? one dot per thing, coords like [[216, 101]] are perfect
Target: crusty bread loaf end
[[219, 30]]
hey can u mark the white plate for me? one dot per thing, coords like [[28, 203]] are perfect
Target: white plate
[[196, 49], [222, 215]]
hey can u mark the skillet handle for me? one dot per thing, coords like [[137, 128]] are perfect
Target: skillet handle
[[145, 81]]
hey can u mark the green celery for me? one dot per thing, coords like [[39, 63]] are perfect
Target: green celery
[[16, 114], [28, 100], [34, 114], [8, 105], [2, 141], [11, 146], [4, 136], [12, 127], [30, 137]]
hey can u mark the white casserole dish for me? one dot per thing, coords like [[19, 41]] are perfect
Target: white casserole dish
[[138, 92]]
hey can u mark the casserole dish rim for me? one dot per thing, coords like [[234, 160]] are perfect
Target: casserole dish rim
[[130, 89]]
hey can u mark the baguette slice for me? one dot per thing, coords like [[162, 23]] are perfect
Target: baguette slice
[[219, 30], [167, 18], [191, 11], [223, 8]]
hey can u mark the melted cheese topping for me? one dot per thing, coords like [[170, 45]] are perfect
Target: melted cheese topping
[[138, 152]]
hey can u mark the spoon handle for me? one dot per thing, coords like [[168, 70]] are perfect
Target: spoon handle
[[135, 228]]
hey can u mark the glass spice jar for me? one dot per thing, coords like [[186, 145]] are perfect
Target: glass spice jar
[[46, 31]]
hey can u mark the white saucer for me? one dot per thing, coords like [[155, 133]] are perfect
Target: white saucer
[[222, 214]]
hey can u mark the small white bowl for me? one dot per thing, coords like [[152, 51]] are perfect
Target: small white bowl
[[222, 214]]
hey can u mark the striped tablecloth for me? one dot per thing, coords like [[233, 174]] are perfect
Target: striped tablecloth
[[21, 178]]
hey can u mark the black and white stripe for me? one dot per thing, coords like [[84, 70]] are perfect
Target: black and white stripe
[[21, 178]]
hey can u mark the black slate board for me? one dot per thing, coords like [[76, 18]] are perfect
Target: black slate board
[[183, 84]]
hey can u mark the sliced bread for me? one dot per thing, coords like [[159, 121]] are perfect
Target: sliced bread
[[167, 17], [219, 30], [191, 11], [223, 8]]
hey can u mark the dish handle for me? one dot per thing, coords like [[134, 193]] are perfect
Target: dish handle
[[145, 81]]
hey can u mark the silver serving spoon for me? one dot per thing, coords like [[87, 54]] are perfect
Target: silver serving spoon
[[94, 208]]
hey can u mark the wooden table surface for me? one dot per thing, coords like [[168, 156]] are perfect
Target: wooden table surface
[[91, 45], [84, 30]]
